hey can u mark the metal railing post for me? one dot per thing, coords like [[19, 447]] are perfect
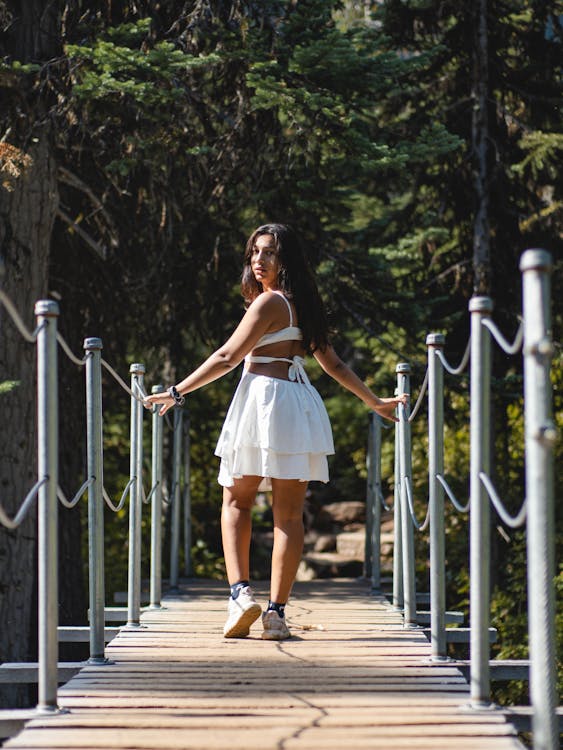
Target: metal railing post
[[135, 498], [156, 506], [188, 568], [47, 313], [370, 465], [398, 588], [93, 348], [378, 495], [376, 519], [175, 509], [540, 436], [409, 584], [479, 558], [436, 341]]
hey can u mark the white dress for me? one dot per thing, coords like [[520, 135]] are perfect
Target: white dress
[[276, 428]]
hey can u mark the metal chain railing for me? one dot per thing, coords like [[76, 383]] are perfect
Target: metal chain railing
[[533, 337], [449, 492], [31, 338], [48, 491], [13, 523]]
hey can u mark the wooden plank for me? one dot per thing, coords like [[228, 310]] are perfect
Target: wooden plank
[[291, 735], [81, 633], [463, 635], [500, 669], [423, 617], [13, 720], [28, 672], [352, 676]]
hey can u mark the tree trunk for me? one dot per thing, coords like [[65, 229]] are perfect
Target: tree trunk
[[27, 215], [26, 220], [480, 141]]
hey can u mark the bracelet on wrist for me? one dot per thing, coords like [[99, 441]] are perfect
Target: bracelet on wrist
[[178, 399]]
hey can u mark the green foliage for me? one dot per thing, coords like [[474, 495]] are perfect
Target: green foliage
[[15, 66], [206, 563], [7, 386], [178, 129]]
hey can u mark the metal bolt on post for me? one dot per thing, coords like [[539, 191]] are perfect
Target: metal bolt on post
[[175, 509], [137, 372], [156, 506], [93, 348], [540, 435], [434, 342], [47, 313], [479, 558], [409, 585]]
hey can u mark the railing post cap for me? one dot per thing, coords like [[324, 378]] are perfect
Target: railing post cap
[[47, 308], [157, 389], [435, 339], [93, 343], [403, 368], [480, 304], [137, 369], [536, 258]]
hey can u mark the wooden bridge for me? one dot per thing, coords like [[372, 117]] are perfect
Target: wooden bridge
[[351, 676], [357, 671]]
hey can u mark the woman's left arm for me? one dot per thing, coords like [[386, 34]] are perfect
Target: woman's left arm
[[339, 371]]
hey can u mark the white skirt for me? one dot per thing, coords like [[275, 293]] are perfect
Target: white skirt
[[277, 429]]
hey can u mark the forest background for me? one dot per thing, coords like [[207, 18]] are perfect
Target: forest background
[[416, 145]]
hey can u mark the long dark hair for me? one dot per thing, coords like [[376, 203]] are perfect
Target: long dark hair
[[295, 280]]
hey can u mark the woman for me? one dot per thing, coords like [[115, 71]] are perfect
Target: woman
[[277, 426]]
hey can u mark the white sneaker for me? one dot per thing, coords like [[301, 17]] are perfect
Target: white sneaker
[[243, 611], [275, 628]]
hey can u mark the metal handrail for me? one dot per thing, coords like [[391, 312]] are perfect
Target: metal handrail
[[71, 503], [119, 506], [29, 336], [457, 505], [382, 500], [501, 341], [417, 525], [48, 340], [13, 523], [423, 388], [462, 365], [67, 350], [514, 522], [120, 380]]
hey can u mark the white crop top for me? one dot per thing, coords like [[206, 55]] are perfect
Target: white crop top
[[296, 370], [291, 333]]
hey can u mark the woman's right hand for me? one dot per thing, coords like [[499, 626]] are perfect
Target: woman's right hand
[[164, 398]]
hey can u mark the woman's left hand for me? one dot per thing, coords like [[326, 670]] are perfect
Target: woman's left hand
[[386, 407]]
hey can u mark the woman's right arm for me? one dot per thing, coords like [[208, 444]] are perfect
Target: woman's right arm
[[339, 371], [256, 321]]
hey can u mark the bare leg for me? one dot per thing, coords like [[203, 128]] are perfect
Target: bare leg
[[236, 526], [288, 500]]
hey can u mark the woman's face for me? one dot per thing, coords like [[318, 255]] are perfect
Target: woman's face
[[265, 262]]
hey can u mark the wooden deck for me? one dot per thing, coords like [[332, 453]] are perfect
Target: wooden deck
[[350, 677]]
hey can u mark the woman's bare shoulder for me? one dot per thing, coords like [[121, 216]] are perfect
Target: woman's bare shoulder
[[268, 302]]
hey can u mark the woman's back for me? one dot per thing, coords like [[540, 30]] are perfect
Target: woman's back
[[280, 342]]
